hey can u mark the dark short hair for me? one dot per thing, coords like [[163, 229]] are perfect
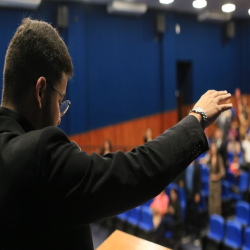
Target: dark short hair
[[35, 50]]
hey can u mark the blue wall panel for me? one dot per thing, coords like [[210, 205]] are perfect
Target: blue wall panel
[[124, 70]]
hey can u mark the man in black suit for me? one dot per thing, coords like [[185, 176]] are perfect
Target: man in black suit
[[191, 181], [50, 190]]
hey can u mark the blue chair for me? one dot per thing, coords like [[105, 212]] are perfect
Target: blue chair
[[243, 182], [213, 239], [246, 245], [145, 227], [182, 199], [233, 237], [123, 216], [242, 213], [133, 219], [230, 178], [230, 157], [134, 216], [146, 222], [205, 188], [216, 228], [171, 186], [225, 191], [121, 220]]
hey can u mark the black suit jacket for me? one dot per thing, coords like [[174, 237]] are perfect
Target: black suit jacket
[[50, 191]]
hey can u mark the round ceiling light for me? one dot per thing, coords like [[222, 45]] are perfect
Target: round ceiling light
[[229, 7], [166, 1], [199, 4]]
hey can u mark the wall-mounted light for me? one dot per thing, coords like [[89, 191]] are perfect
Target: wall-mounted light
[[166, 1], [229, 7], [199, 4], [26, 4], [249, 11]]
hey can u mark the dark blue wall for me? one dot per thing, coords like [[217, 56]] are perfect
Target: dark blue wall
[[124, 70]]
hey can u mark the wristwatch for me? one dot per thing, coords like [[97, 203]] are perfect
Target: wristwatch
[[199, 110]]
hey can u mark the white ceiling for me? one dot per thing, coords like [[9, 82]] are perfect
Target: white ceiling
[[242, 6]]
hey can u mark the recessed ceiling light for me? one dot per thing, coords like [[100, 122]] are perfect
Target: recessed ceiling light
[[229, 7], [199, 4], [166, 1]]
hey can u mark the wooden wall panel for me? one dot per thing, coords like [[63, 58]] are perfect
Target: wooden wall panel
[[127, 135]]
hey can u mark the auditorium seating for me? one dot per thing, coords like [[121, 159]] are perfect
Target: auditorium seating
[[213, 239], [246, 245], [145, 226], [242, 213], [230, 178], [242, 187], [233, 238], [133, 219]]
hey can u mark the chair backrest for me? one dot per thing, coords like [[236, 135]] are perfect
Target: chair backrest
[[233, 232], [225, 189], [230, 178], [243, 181], [247, 237], [242, 212], [181, 195], [205, 187], [135, 213], [147, 216], [216, 226]]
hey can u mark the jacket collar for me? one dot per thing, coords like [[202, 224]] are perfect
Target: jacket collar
[[22, 121]]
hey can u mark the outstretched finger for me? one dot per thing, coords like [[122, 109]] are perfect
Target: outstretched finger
[[219, 93], [224, 107], [223, 98]]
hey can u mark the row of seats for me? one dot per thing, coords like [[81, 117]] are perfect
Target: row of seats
[[228, 182], [140, 216], [232, 234]]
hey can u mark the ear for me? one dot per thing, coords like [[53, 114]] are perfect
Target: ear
[[40, 89]]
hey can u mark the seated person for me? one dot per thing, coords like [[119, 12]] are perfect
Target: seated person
[[171, 217], [159, 207], [235, 166]]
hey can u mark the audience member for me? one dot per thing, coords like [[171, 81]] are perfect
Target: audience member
[[246, 150], [159, 207], [107, 147], [224, 122], [217, 172], [243, 117], [221, 145], [235, 166], [148, 135], [192, 186], [233, 146], [171, 218]]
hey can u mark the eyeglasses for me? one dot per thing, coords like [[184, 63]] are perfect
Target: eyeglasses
[[64, 106]]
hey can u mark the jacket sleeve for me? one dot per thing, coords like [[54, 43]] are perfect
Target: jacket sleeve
[[76, 184]]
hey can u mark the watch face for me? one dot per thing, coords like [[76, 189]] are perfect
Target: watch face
[[198, 109]]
